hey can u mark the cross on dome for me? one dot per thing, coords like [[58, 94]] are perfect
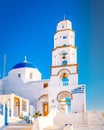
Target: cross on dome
[[25, 59]]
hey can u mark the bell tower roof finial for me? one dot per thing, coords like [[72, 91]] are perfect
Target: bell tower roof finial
[[25, 59]]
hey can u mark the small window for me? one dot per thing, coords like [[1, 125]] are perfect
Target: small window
[[45, 85], [19, 75], [62, 26], [64, 45], [64, 62], [64, 37]]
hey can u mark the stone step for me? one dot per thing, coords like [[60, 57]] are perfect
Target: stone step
[[56, 127], [18, 128]]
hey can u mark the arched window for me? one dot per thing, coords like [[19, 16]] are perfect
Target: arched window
[[19, 75], [64, 62]]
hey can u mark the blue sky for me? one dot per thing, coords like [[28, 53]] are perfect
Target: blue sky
[[27, 28]]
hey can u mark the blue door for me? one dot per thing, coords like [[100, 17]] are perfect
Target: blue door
[[68, 102]]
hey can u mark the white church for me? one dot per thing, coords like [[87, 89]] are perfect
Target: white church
[[61, 90], [60, 99]]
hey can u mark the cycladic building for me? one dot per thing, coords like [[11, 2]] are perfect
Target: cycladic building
[[62, 89]]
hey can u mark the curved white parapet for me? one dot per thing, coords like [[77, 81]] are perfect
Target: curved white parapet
[[59, 120]]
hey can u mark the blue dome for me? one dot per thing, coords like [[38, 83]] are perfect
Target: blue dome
[[23, 65]]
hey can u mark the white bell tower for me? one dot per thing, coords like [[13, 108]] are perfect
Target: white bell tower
[[64, 55], [65, 91]]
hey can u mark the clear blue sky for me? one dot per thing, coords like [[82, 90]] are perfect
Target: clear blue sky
[[27, 28]]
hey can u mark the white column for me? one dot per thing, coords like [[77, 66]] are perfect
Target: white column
[[8, 106], [3, 113], [12, 105], [20, 107]]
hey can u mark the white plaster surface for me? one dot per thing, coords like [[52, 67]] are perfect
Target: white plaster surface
[[56, 120]]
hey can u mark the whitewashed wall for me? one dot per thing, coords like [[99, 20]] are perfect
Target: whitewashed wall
[[1, 120]]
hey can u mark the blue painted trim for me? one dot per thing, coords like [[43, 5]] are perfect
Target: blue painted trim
[[6, 115], [1, 109]]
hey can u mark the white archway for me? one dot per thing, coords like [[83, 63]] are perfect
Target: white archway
[[64, 98], [44, 104]]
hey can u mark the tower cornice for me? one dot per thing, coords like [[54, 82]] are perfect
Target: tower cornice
[[64, 30], [64, 68], [65, 65], [64, 47]]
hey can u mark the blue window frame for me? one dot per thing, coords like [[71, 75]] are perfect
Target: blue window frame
[[1, 109], [68, 102], [64, 37], [65, 81], [64, 53], [64, 45], [64, 62]]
